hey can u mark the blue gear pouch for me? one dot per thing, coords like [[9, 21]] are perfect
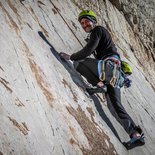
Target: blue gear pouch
[[127, 82]]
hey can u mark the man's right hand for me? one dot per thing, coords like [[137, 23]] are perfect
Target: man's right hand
[[65, 56]]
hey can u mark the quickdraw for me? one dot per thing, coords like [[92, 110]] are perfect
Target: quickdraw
[[101, 70], [114, 78]]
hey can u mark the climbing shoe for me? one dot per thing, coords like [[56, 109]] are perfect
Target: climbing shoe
[[134, 142], [96, 89]]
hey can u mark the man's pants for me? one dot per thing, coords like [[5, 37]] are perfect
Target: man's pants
[[89, 69]]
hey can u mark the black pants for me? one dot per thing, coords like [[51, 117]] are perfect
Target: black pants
[[89, 69]]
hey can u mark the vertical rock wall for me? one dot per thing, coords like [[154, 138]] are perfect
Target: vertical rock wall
[[43, 107]]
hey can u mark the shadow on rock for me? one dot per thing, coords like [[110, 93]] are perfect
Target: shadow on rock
[[104, 116], [77, 79]]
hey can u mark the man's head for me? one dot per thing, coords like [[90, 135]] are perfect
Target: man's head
[[87, 18]]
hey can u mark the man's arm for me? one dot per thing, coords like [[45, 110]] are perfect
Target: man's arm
[[88, 49], [90, 46]]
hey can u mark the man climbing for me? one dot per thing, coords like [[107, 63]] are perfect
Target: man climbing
[[100, 44]]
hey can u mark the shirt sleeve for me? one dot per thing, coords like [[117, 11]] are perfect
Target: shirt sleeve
[[90, 46]]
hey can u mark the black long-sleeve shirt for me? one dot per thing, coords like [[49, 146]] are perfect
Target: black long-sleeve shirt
[[101, 42]]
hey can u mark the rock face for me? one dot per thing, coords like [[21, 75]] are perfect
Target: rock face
[[43, 107], [140, 16]]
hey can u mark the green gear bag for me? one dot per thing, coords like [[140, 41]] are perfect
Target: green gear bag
[[126, 68]]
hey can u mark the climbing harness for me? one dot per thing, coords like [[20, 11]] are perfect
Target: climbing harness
[[109, 71]]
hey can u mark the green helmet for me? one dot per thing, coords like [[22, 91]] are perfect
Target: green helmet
[[87, 14]]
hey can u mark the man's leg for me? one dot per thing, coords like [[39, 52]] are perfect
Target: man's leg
[[114, 96], [89, 69]]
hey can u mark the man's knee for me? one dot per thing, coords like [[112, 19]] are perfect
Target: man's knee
[[76, 64]]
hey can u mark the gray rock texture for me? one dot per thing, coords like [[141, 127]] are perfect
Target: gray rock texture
[[43, 107], [141, 17]]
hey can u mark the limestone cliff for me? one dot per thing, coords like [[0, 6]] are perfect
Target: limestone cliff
[[43, 107]]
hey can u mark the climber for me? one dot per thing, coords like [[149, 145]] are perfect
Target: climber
[[100, 44]]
